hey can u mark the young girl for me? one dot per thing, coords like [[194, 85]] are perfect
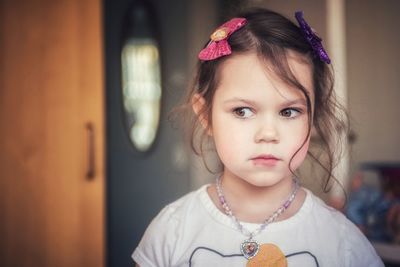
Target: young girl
[[262, 84]]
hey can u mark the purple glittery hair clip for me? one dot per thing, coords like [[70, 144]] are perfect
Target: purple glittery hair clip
[[313, 39]]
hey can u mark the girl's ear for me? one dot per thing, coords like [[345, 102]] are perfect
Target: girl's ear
[[198, 105]]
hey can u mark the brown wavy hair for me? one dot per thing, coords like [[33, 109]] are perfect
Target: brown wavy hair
[[271, 36]]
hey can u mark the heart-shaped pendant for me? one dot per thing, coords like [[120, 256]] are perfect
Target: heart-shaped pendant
[[249, 248]]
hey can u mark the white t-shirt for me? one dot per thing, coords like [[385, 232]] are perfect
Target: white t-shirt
[[192, 231]]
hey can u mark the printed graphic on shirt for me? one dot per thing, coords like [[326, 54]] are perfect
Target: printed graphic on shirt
[[268, 255]]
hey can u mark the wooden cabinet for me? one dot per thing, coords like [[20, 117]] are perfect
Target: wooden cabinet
[[51, 87]]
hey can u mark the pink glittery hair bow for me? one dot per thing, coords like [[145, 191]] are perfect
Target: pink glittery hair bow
[[218, 45]]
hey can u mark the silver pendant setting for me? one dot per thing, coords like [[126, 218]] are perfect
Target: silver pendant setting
[[249, 248]]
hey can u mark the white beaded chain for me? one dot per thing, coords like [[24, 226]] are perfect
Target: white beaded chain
[[269, 220]]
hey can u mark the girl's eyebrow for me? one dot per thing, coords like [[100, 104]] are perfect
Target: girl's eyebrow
[[236, 99], [299, 101]]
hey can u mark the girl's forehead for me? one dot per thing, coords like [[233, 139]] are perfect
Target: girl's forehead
[[244, 72]]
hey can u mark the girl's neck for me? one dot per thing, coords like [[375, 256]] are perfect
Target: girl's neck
[[254, 204], [239, 189]]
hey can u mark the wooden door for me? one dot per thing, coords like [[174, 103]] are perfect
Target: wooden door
[[51, 86]]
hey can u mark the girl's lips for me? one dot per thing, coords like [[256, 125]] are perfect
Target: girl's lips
[[265, 160], [265, 156]]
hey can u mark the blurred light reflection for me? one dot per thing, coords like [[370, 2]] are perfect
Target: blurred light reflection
[[141, 90]]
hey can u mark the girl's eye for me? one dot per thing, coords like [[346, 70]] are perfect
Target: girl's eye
[[243, 112], [290, 112]]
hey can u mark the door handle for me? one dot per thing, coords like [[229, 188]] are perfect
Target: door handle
[[90, 171]]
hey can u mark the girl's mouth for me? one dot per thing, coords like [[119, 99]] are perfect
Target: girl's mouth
[[265, 160]]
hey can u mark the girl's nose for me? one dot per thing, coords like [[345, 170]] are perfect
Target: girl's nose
[[267, 132]]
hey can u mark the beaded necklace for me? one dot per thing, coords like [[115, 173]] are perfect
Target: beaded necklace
[[250, 247]]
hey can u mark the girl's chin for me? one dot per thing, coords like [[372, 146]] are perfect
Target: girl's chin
[[263, 181]]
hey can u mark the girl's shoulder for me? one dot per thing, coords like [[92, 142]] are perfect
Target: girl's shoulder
[[336, 228], [329, 220], [158, 245], [174, 214], [319, 207], [178, 208]]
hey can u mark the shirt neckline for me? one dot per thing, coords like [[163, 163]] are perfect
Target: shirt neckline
[[224, 219]]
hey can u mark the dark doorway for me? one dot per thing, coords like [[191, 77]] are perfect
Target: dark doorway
[[140, 184]]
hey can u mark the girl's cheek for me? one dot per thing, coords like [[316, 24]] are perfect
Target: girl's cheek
[[300, 156]]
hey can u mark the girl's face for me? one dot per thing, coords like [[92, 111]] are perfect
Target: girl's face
[[258, 121]]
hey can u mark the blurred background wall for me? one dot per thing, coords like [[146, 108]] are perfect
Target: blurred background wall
[[61, 103], [373, 58]]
